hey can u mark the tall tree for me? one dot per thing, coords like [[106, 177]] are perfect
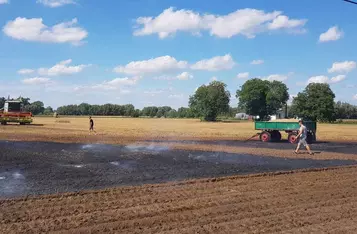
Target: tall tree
[[36, 108], [210, 100], [48, 111], [316, 103], [261, 97]]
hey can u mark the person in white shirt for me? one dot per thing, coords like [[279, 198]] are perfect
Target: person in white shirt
[[302, 138]]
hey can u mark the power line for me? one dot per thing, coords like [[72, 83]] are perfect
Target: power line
[[353, 2]]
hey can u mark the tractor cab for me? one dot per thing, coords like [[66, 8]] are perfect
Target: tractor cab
[[13, 106]]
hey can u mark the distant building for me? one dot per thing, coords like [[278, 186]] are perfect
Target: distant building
[[280, 114], [242, 116]]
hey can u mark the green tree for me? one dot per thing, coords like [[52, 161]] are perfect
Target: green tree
[[36, 108], [48, 111], [315, 103], [172, 114], [136, 113], [210, 100], [261, 97]]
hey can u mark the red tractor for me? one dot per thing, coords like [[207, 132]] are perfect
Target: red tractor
[[13, 113]]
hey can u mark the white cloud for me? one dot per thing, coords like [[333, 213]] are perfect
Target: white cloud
[[326, 80], [116, 83], [345, 67], [155, 65], [247, 22], [36, 81], [332, 34], [277, 77], [282, 21], [355, 97], [25, 71], [337, 79], [185, 76], [34, 30], [257, 62], [62, 68], [56, 3], [244, 75], [318, 79], [215, 64], [4, 1]]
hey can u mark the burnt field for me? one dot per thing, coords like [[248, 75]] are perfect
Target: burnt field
[[33, 168]]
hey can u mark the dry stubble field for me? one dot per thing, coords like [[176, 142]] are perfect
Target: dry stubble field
[[299, 202]]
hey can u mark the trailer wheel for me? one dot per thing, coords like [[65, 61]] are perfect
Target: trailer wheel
[[292, 138], [265, 137]]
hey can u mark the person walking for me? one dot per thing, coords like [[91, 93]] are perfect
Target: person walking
[[91, 124], [302, 138]]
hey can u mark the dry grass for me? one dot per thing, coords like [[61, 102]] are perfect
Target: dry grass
[[164, 129], [130, 131]]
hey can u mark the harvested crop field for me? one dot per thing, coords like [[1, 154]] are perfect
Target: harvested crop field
[[305, 202], [33, 168], [139, 183]]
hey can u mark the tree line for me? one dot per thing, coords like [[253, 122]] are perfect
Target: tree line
[[255, 97]]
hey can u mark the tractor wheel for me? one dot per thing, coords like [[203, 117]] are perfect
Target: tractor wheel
[[265, 137], [292, 138]]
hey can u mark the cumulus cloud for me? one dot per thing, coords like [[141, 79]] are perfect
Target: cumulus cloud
[[34, 30], [332, 34], [56, 3], [277, 77], [215, 64], [4, 1], [116, 83], [155, 65], [62, 68], [282, 21], [36, 81], [257, 62], [326, 80], [318, 79], [337, 79], [184, 76], [345, 67], [355, 97], [25, 71], [244, 75], [247, 22]]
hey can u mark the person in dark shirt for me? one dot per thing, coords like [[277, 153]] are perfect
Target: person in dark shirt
[[91, 124]]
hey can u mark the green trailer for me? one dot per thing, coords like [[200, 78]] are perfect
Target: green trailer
[[270, 131]]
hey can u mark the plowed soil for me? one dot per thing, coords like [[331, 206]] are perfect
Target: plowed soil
[[319, 201], [310, 201]]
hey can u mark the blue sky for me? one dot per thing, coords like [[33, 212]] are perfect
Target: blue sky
[[156, 52]]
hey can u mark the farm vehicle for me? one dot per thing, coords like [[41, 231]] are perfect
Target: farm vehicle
[[12, 112], [271, 131]]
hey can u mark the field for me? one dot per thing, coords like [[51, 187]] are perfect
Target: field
[[189, 177]]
